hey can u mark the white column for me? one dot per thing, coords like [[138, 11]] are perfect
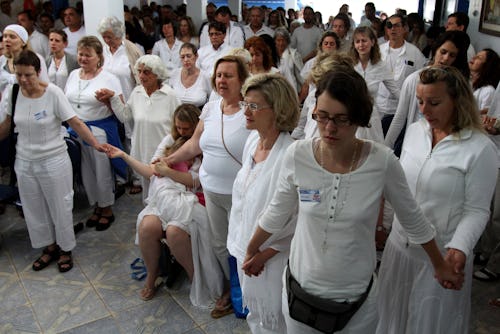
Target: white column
[[196, 10], [95, 10], [235, 6], [290, 4]]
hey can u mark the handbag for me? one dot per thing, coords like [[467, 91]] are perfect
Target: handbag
[[12, 139], [324, 315]]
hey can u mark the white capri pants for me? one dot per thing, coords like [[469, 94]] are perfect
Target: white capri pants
[[364, 321], [97, 173], [46, 191]]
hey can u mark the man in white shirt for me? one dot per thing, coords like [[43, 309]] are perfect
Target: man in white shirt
[[38, 41], [306, 37], [208, 54], [256, 26], [402, 59], [74, 29], [460, 21], [341, 26], [234, 34], [366, 20]]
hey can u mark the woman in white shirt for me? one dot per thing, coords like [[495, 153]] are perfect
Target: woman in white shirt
[[272, 110], [337, 181], [220, 136], [59, 63], [262, 60], [42, 165], [449, 164], [485, 74], [169, 46], [187, 33], [191, 84], [290, 60]]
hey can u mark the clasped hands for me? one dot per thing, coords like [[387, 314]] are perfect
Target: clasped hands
[[451, 274]]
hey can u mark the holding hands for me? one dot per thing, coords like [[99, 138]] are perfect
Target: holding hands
[[451, 274], [489, 125]]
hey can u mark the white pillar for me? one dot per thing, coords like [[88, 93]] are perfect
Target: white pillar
[[196, 10], [235, 6], [95, 10], [290, 4]]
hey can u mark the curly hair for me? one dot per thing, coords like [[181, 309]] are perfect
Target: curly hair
[[258, 44]]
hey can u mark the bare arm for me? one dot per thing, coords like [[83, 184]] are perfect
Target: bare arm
[[5, 127], [163, 169], [189, 149], [141, 168], [85, 133]]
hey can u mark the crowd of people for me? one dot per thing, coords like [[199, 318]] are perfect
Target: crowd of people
[[296, 148]]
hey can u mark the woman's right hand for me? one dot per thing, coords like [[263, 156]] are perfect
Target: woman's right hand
[[449, 274]]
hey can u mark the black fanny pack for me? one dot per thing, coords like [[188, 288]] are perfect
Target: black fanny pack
[[324, 315]]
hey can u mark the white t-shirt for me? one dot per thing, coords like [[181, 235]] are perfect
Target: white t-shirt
[[197, 94], [218, 169], [38, 122], [81, 94], [73, 38]]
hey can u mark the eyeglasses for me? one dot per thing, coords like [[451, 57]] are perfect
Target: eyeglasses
[[340, 121], [252, 106], [391, 25]]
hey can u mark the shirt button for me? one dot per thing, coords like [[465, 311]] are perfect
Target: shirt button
[[331, 217], [334, 197]]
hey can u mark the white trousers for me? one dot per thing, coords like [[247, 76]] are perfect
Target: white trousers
[[46, 191], [218, 210], [97, 173], [364, 321]]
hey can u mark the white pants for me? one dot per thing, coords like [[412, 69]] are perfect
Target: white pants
[[97, 174], [46, 191], [364, 321], [218, 210]]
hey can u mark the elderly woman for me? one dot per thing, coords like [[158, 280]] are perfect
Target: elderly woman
[[150, 108], [42, 164], [450, 164], [59, 63], [220, 136], [169, 46], [337, 181], [190, 83], [81, 88], [485, 74], [262, 61], [15, 40], [272, 110], [290, 61]]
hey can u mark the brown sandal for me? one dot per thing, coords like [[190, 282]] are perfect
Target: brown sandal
[[67, 264], [135, 190]]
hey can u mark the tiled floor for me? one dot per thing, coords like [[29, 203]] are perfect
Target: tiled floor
[[98, 295]]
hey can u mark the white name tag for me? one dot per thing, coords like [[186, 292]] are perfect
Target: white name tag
[[309, 195]]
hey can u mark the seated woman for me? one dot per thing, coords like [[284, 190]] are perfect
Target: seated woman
[[173, 206]]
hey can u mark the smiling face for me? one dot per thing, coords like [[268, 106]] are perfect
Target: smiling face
[[436, 105], [446, 54], [227, 81], [330, 133]]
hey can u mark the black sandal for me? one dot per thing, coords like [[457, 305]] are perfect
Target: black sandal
[[65, 265], [93, 222], [103, 226], [40, 264]]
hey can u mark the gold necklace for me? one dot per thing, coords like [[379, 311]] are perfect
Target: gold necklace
[[324, 247]]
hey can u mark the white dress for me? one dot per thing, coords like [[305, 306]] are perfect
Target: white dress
[[252, 190], [178, 206], [452, 183], [336, 221]]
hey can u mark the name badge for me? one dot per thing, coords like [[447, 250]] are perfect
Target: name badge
[[40, 115], [309, 195], [409, 63]]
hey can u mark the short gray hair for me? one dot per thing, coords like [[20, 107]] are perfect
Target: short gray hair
[[112, 23], [283, 32], [155, 64]]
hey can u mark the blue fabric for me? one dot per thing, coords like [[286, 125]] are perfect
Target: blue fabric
[[110, 126], [236, 295]]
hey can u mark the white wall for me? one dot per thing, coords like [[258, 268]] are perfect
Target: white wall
[[479, 40]]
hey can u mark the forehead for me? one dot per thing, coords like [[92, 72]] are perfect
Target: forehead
[[452, 20], [55, 35], [339, 22], [227, 66], [70, 12], [395, 20]]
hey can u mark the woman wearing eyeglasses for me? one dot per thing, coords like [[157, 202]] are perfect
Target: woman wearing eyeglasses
[[271, 111], [337, 182]]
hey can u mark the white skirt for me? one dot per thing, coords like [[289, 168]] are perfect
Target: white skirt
[[410, 299]]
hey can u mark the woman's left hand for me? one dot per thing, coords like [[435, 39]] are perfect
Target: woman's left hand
[[451, 274], [161, 168], [103, 95], [254, 265]]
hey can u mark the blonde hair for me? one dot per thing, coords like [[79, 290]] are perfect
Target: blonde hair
[[466, 113], [280, 95], [325, 62]]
